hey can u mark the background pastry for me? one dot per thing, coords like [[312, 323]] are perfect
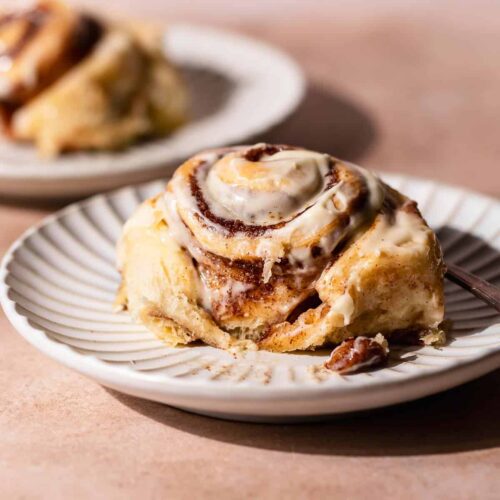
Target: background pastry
[[38, 45], [69, 81], [279, 248]]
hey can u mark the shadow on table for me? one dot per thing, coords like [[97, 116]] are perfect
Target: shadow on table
[[328, 122], [462, 419], [42, 204]]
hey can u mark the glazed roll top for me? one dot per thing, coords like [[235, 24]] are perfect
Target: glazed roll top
[[39, 44], [269, 205]]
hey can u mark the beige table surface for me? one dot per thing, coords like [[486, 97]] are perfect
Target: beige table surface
[[403, 86]]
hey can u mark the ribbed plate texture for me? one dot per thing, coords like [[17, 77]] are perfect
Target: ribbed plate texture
[[60, 282]]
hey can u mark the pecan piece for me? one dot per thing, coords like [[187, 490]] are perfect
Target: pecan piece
[[357, 353]]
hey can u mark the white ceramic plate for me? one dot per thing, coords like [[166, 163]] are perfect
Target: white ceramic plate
[[59, 281], [239, 88]]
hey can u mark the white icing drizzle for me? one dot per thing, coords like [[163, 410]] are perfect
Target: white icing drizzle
[[344, 305], [230, 290], [288, 186], [280, 186], [177, 229], [405, 232]]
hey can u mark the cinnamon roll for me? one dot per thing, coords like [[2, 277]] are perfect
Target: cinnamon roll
[[70, 81], [279, 248]]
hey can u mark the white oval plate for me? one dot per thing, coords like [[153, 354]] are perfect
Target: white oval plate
[[239, 88], [58, 286]]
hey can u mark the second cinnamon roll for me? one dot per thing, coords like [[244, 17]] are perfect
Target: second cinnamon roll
[[72, 81]]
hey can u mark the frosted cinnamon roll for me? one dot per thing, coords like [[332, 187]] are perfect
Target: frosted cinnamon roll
[[279, 248], [38, 45], [70, 81]]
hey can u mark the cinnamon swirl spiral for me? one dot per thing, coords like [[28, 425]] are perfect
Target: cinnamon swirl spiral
[[280, 247]]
